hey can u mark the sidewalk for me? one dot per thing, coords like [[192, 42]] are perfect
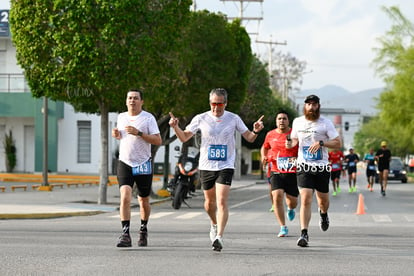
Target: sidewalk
[[76, 201]]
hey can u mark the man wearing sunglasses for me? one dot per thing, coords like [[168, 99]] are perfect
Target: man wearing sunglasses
[[217, 156]]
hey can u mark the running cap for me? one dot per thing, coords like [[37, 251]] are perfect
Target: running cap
[[312, 98], [383, 144], [351, 148]]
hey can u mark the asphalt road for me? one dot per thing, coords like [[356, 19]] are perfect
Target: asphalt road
[[379, 242]]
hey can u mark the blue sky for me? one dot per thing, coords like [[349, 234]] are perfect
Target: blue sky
[[334, 37]]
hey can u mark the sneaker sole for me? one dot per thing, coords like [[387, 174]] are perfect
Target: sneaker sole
[[123, 245], [302, 243], [217, 246]]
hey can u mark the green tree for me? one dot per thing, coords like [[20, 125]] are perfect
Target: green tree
[[217, 54], [395, 64], [104, 47], [260, 100]]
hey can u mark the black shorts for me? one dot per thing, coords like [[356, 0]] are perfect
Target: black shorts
[[335, 175], [314, 180], [125, 177], [371, 173], [286, 182], [382, 167], [352, 170], [209, 178]]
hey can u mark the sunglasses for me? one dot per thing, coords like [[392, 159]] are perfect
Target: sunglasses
[[218, 104]]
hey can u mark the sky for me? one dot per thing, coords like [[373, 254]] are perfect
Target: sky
[[334, 37]]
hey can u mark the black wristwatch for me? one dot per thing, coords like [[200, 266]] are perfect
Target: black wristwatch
[[139, 133], [321, 143]]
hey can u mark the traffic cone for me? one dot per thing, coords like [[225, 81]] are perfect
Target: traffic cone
[[361, 207]]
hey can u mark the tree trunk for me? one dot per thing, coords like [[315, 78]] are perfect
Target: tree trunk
[[103, 183]]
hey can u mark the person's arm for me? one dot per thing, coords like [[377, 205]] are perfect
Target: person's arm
[[263, 153], [334, 143], [154, 139], [250, 136], [116, 134], [183, 135]]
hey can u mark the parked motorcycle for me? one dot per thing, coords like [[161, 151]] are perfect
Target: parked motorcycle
[[183, 183]]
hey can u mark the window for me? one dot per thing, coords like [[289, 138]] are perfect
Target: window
[[84, 141]]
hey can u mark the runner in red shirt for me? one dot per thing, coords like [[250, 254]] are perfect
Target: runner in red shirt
[[335, 159], [283, 170]]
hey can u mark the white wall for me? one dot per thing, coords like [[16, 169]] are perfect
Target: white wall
[[8, 61], [17, 126], [67, 142]]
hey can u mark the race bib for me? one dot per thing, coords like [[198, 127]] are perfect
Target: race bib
[[143, 169], [351, 164], [312, 156], [336, 166], [217, 152], [371, 167], [285, 164]]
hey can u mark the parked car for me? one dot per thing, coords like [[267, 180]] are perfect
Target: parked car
[[397, 170]]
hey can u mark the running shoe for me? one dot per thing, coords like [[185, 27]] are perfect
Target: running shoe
[[272, 209], [383, 193], [350, 190], [283, 231], [323, 222], [303, 240], [213, 232], [290, 214], [217, 244], [333, 193], [354, 189], [143, 238], [371, 189], [368, 186], [124, 240], [338, 189]]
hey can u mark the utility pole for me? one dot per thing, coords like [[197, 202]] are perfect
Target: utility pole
[[242, 8], [271, 43]]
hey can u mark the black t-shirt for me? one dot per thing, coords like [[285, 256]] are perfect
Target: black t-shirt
[[352, 159], [384, 157]]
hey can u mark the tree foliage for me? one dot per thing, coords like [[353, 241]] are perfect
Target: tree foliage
[[287, 73], [102, 47], [395, 64], [217, 54], [261, 100]]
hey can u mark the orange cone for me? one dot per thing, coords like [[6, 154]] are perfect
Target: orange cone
[[361, 207]]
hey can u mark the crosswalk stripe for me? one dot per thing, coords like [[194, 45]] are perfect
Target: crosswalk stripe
[[409, 218], [381, 218], [161, 214], [189, 215]]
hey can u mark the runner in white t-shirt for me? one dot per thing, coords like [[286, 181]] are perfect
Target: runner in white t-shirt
[[314, 134], [217, 156], [137, 130]]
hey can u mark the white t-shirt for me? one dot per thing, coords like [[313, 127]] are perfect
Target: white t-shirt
[[309, 132], [218, 143], [133, 150]]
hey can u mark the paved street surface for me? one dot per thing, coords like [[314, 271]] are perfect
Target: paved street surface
[[77, 241]]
